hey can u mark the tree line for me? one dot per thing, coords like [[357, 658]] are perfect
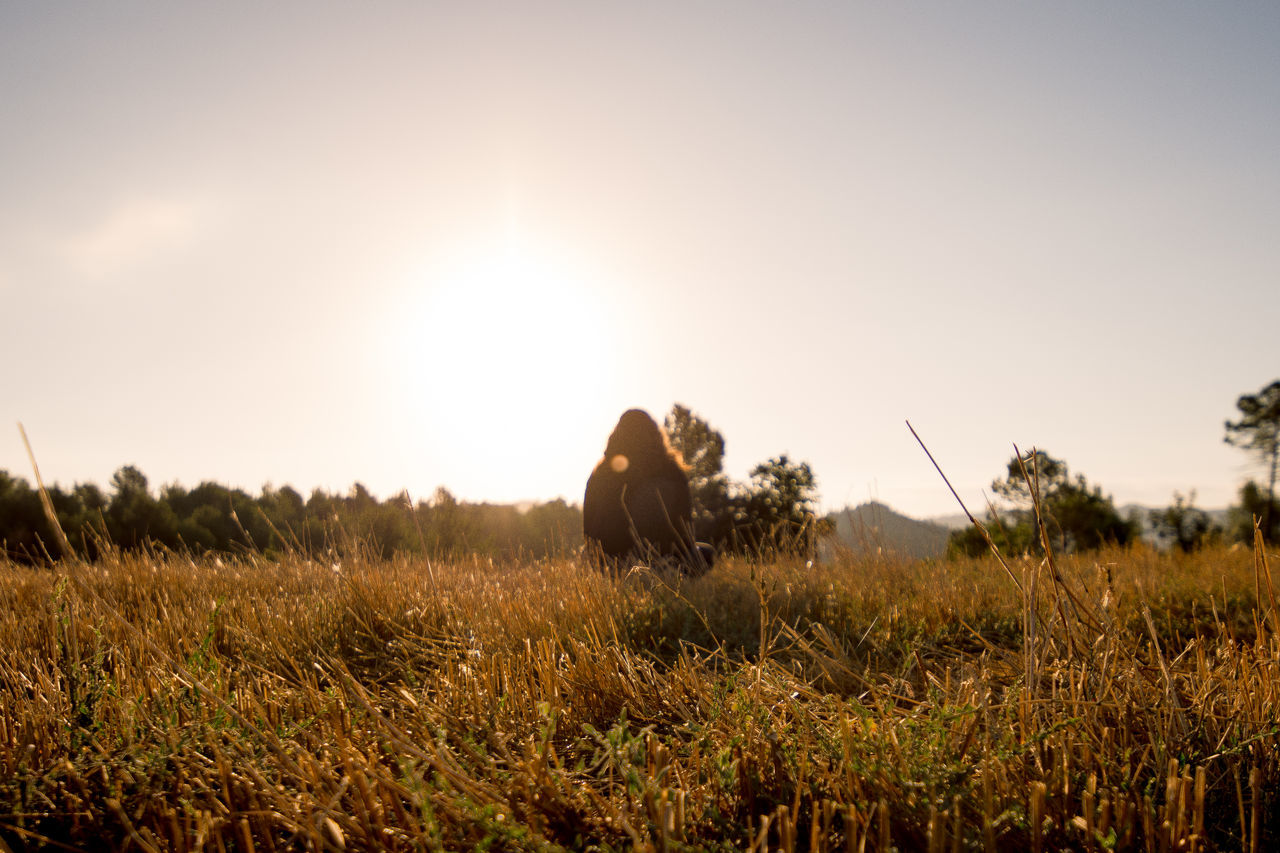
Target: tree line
[[1039, 493], [772, 512], [215, 518]]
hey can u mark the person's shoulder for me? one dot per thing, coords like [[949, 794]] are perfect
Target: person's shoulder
[[672, 467], [671, 478]]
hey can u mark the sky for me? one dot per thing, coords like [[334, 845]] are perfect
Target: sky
[[416, 245]]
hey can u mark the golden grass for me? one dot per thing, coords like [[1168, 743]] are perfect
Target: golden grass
[[154, 703]]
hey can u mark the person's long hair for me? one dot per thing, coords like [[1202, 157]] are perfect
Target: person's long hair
[[638, 436]]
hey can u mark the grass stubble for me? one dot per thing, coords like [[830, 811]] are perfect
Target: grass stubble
[[1122, 700]]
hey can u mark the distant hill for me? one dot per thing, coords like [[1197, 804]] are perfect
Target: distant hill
[[955, 521], [874, 527]]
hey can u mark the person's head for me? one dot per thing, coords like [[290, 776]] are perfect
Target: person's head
[[637, 434]]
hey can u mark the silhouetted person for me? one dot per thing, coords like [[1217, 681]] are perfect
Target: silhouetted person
[[637, 505]]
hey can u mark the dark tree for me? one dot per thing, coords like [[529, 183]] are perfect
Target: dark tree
[[553, 527], [25, 530], [80, 513], [1076, 515], [25, 533], [1258, 431], [702, 449], [287, 511], [134, 517], [446, 523], [1254, 504], [637, 503], [773, 512], [776, 512], [1183, 524], [214, 517]]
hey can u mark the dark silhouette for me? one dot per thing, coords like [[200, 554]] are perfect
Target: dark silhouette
[[776, 510], [771, 516], [1075, 514], [212, 518], [1258, 431], [702, 450], [638, 504], [1184, 525]]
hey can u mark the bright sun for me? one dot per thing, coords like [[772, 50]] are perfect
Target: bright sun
[[511, 316], [504, 345]]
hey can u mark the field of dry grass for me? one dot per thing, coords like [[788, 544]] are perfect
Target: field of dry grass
[[156, 703]]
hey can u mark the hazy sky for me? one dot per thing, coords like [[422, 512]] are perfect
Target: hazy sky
[[418, 244]]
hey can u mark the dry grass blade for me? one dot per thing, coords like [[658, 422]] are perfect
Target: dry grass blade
[[981, 527], [59, 534], [1262, 572], [1169, 689]]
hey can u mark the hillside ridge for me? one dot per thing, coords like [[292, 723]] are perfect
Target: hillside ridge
[[874, 527]]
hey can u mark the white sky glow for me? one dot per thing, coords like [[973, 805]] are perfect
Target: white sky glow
[[416, 246]]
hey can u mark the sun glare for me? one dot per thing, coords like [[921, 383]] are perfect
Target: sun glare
[[504, 344], [509, 316]]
